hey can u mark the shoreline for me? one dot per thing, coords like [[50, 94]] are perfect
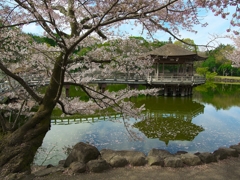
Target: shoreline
[[154, 161]]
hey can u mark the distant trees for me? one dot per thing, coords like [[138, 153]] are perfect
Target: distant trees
[[218, 61], [188, 44]]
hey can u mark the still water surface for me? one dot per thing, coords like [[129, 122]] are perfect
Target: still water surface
[[204, 122]]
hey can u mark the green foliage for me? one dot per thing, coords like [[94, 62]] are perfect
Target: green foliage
[[116, 87], [41, 39], [191, 46], [156, 43], [84, 51], [75, 91], [210, 75], [141, 40], [224, 69], [217, 62], [202, 71], [210, 63]]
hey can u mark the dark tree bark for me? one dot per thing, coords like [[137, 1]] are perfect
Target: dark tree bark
[[18, 148]]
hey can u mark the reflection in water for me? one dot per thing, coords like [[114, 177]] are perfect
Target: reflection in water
[[170, 119], [174, 124], [221, 96], [169, 128]]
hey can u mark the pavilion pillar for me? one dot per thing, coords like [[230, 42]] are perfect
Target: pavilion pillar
[[102, 87], [174, 90], [178, 69], [183, 91], [133, 86], [192, 70], [165, 91], [163, 69], [67, 87], [187, 91], [190, 90]]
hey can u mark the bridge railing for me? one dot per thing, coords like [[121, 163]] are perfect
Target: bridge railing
[[123, 76], [177, 79], [35, 80]]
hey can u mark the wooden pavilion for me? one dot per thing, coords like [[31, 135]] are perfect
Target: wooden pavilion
[[174, 70]]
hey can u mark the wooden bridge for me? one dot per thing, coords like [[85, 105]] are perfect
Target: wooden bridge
[[173, 73], [170, 84]]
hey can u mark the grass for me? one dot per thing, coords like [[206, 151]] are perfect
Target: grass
[[228, 77]]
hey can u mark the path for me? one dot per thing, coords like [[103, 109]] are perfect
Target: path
[[228, 169]]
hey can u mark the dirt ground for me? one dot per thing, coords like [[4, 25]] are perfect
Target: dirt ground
[[228, 169]]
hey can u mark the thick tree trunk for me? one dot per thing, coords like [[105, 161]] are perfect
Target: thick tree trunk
[[18, 149]]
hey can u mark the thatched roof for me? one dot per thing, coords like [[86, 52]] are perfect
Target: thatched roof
[[172, 50]]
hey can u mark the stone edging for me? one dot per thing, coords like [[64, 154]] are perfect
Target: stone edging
[[87, 158]]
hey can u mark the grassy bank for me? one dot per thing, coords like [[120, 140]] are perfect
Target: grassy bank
[[227, 79]]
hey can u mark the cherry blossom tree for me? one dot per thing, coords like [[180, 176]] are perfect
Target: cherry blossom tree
[[73, 25], [234, 56]]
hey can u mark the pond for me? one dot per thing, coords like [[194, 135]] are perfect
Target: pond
[[207, 120]]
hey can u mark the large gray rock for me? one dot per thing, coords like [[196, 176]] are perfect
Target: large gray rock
[[190, 159], [118, 161], [82, 152], [134, 158], [236, 147], [156, 157], [174, 162], [78, 167], [224, 152], [161, 153], [207, 157], [155, 161], [97, 166]]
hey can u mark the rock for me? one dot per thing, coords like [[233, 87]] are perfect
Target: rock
[[82, 152], [18, 176], [118, 161], [157, 156], [97, 166], [174, 162], [161, 153], [190, 159], [77, 167], [47, 171], [223, 153], [236, 147], [207, 157], [155, 161], [134, 158], [181, 152], [27, 177], [61, 162], [49, 166]]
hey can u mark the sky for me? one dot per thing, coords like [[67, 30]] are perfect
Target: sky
[[216, 27]]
